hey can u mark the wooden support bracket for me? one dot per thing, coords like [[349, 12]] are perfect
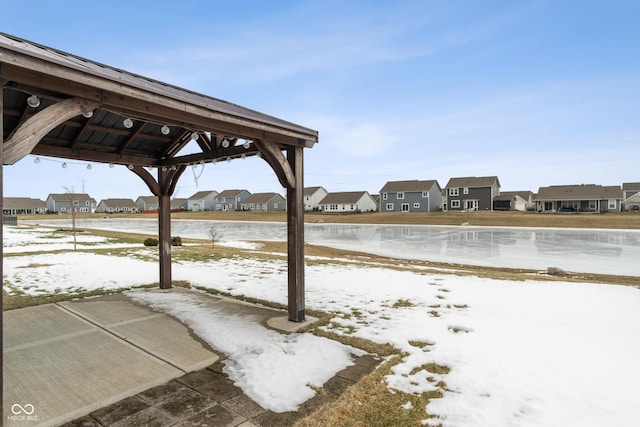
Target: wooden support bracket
[[29, 133]]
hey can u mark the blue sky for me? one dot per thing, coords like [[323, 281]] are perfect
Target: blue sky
[[536, 92]]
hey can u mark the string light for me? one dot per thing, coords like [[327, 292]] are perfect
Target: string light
[[87, 114], [33, 101], [246, 144], [36, 160], [225, 143], [165, 130], [128, 123], [194, 136]]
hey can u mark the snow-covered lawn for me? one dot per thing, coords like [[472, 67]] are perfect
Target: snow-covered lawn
[[524, 353]]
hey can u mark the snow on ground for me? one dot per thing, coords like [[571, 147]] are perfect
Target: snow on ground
[[21, 240], [273, 369], [524, 353]]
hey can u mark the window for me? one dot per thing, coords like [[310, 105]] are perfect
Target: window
[[400, 195], [405, 207], [275, 206], [384, 196], [465, 190], [454, 192], [425, 194], [389, 207], [416, 206], [455, 203], [612, 204]]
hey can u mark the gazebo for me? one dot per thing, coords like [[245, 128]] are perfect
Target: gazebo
[[59, 105]]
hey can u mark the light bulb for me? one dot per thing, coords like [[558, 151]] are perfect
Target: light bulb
[[36, 160], [165, 130], [194, 136], [246, 144], [130, 167], [87, 114], [89, 166], [225, 143], [33, 101], [128, 123], [111, 165], [64, 165]]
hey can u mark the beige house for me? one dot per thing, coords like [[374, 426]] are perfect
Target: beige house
[[23, 205], [579, 198], [630, 195], [350, 201]]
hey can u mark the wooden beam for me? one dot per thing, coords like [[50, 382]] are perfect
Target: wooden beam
[[272, 155], [1, 228], [29, 133], [295, 237]]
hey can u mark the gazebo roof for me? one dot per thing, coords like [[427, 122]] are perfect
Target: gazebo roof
[[109, 96]]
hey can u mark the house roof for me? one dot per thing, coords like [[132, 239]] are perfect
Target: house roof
[[579, 192], [509, 195], [260, 198], [121, 203], [68, 197], [308, 191], [177, 202], [473, 182], [343, 197], [230, 193], [22, 203], [409, 186], [631, 186], [202, 194], [635, 198], [148, 199], [68, 86]]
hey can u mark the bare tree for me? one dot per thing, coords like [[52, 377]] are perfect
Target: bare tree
[[213, 236]]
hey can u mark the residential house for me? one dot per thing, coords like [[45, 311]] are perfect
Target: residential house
[[179, 204], [413, 195], [630, 195], [312, 196], [63, 203], [471, 193], [350, 201], [579, 198], [264, 202], [513, 201], [202, 201], [230, 200], [147, 203], [23, 205], [117, 206]]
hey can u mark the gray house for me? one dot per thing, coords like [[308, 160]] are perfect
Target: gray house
[[117, 205], [202, 201], [579, 198], [178, 204], [264, 202], [411, 196], [471, 193], [23, 205], [630, 195], [147, 203], [230, 200], [63, 203], [312, 197]]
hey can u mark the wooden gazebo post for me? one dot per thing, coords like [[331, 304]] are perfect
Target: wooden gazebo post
[[163, 189], [295, 236]]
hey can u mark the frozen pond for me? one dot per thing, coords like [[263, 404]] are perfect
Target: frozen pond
[[578, 250]]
